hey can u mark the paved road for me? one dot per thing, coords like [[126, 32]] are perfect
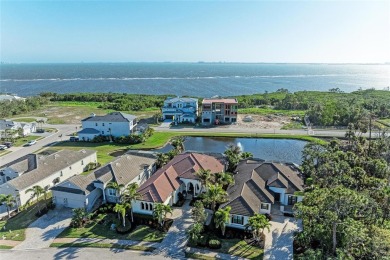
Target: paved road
[[77, 252], [64, 130], [42, 232]]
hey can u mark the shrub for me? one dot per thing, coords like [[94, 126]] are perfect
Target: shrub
[[215, 244], [203, 241]]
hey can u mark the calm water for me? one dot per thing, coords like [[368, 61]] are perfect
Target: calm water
[[267, 149], [199, 79]]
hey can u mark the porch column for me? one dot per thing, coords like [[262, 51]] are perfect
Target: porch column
[[104, 195]]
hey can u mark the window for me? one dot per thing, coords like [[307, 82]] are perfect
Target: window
[[237, 219], [111, 192], [146, 206], [151, 207], [292, 199], [142, 205], [102, 132], [102, 124], [265, 206], [82, 162]]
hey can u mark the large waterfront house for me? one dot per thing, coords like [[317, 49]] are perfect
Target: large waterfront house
[[180, 109], [219, 111], [90, 191], [113, 124], [14, 129], [43, 170], [262, 187], [177, 176]]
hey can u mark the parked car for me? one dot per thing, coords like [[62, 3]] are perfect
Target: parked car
[[31, 142], [74, 139], [40, 130], [8, 144], [3, 147]]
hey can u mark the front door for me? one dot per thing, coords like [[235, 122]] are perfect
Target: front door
[[277, 197]]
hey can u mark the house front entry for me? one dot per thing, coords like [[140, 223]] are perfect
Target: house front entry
[[277, 197], [190, 189]]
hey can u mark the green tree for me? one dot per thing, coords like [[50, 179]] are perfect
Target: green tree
[[204, 176], [7, 200], [221, 217], [198, 212], [80, 217], [178, 144], [130, 195], [195, 232], [121, 210], [162, 159], [214, 195], [160, 212], [224, 178], [256, 224], [118, 189], [36, 191]]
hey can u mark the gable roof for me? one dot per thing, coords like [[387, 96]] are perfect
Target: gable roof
[[167, 179], [48, 165], [111, 117], [252, 181]]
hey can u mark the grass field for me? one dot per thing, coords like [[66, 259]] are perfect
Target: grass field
[[25, 119], [22, 141], [5, 247], [270, 111], [103, 245]]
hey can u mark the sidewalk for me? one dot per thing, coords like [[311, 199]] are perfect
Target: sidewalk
[[106, 241], [212, 254]]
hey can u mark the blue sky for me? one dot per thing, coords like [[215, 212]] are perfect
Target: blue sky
[[242, 31]]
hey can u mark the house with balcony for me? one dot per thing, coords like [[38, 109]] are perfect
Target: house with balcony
[[177, 176], [113, 124], [14, 129], [90, 191], [217, 111], [262, 187], [42, 170], [180, 110]]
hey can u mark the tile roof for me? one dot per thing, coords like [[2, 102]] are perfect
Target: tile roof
[[252, 182], [167, 179], [220, 100], [47, 165], [111, 117]]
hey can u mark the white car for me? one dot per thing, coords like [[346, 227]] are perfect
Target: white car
[[3, 147], [31, 142]]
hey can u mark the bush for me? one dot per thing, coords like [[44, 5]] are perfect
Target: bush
[[203, 241], [215, 244]]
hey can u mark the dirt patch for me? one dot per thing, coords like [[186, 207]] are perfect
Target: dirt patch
[[262, 122]]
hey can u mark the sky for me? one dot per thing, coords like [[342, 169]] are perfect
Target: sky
[[191, 31]]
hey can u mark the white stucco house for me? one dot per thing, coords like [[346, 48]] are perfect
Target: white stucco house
[[90, 191], [180, 109], [113, 124], [262, 187], [177, 176], [8, 128], [43, 170]]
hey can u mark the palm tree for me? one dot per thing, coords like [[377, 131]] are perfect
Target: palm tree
[[233, 156], [224, 178], [162, 159], [37, 191], [117, 187], [215, 194], [221, 217], [204, 176], [160, 212], [246, 155], [257, 224], [195, 231], [80, 217], [130, 195], [8, 201], [178, 144], [121, 210]]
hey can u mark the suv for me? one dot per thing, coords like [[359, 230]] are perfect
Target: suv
[[8, 144], [74, 139]]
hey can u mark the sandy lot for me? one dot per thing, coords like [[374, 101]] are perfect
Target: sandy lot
[[262, 122]]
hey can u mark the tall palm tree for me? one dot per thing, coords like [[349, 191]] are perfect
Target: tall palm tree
[[233, 156], [8, 201], [178, 143], [224, 178], [131, 194], [215, 194], [257, 223], [37, 191], [117, 187], [221, 217], [246, 155], [204, 176], [160, 212], [121, 210], [162, 159]]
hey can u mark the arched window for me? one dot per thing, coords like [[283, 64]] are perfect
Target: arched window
[[142, 205], [151, 207], [146, 206], [197, 186]]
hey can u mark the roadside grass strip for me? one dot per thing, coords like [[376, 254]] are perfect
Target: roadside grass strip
[[105, 245]]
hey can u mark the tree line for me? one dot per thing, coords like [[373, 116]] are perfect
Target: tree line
[[15, 107]]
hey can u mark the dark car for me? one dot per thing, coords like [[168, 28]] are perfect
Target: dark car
[[8, 144], [74, 139]]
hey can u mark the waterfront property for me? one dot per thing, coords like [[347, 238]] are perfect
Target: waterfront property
[[180, 109], [90, 191], [42, 170], [262, 187], [177, 176], [14, 129], [217, 111], [113, 124]]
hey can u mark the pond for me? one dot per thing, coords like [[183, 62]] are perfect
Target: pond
[[287, 150]]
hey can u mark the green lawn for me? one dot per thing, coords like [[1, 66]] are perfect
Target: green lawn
[[15, 227], [385, 122], [270, 111], [23, 140], [95, 230], [103, 245], [5, 247], [240, 248], [25, 119], [199, 256]]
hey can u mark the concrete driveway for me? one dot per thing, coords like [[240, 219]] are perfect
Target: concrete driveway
[[42, 232], [279, 241]]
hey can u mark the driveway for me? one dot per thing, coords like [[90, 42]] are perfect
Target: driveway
[[42, 232], [279, 241]]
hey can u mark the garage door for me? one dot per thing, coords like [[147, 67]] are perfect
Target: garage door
[[169, 117], [69, 202]]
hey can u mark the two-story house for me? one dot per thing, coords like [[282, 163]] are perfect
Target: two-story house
[[42, 170], [180, 109], [90, 191], [14, 129], [217, 111], [262, 187], [113, 124]]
